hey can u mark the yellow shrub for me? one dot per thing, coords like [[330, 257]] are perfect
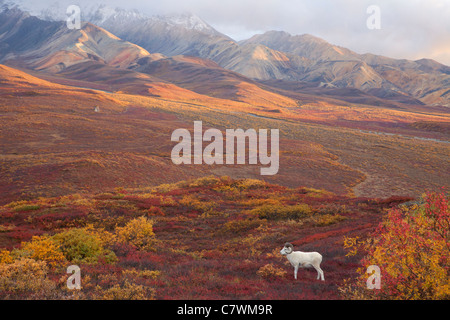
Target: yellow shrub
[[328, 219], [27, 207], [5, 257], [146, 274], [149, 274], [138, 232], [43, 248], [269, 271], [129, 291], [106, 238], [282, 212], [17, 203], [26, 276], [6, 228], [192, 202], [205, 181], [251, 184], [316, 193]]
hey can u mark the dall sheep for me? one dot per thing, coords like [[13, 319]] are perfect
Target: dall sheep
[[300, 259]]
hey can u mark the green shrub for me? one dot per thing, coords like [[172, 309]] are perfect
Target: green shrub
[[280, 212], [82, 246], [27, 207], [328, 219], [239, 226]]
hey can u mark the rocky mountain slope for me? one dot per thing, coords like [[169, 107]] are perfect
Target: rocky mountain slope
[[425, 79], [274, 55]]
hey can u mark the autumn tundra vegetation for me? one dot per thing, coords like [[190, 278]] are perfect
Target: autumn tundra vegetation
[[99, 190], [87, 176], [219, 238]]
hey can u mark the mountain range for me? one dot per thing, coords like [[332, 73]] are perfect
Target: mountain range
[[137, 53]]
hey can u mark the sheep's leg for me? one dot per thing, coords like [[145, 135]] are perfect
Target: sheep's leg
[[319, 273], [295, 272]]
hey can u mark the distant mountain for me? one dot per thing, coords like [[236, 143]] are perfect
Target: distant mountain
[[308, 46], [93, 54], [277, 55], [426, 80], [172, 35], [20, 32], [274, 55], [90, 54], [51, 45], [116, 18]]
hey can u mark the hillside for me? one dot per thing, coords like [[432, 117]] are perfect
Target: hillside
[[212, 238], [342, 68], [54, 143]]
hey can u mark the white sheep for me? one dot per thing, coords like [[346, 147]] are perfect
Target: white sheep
[[300, 259]]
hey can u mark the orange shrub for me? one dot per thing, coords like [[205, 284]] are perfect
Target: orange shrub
[[43, 248], [5, 257], [269, 271], [412, 249]]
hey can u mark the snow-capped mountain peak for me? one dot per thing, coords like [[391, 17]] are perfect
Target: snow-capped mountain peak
[[103, 15], [188, 21]]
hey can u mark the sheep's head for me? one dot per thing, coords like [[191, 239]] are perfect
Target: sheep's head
[[288, 248]]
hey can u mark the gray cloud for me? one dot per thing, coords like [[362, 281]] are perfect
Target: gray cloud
[[410, 29]]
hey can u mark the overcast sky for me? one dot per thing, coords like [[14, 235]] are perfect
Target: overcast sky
[[411, 29]]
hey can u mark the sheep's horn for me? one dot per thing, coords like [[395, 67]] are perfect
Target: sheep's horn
[[288, 245]]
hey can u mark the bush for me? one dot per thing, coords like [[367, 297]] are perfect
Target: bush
[[191, 201], [5, 257], [412, 249], [205, 182], [328, 219], [269, 271], [129, 291], [248, 184], [281, 212], [83, 246], [42, 248], [138, 232], [27, 207], [25, 278]]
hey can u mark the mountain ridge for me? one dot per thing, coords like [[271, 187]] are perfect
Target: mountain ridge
[[273, 55]]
